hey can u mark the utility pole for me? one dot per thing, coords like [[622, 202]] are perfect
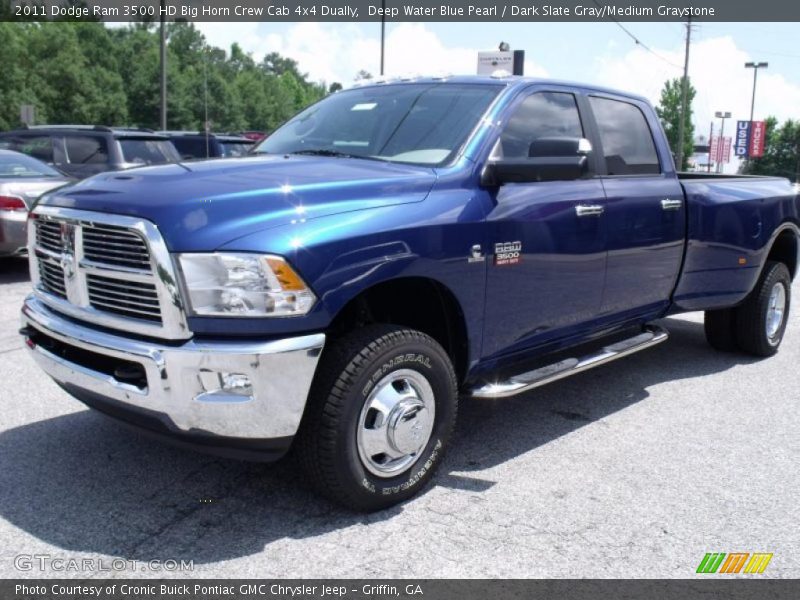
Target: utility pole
[[710, 137], [721, 143], [755, 66], [684, 96], [163, 118], [383, 32]]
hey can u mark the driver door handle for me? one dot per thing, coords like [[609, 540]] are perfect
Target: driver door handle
[[589, 210], [668, 204]]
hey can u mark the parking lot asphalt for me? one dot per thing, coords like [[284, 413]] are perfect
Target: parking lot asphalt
[[635, 469]]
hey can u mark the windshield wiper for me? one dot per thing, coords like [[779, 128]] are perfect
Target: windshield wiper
[[333, 153]]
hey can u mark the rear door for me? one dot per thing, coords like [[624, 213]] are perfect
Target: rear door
[[645, 209], [547, 239]]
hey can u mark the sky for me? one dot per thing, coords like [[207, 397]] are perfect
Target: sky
[[596, 53]]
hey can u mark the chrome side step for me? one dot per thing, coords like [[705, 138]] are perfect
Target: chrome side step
[[518, 384]]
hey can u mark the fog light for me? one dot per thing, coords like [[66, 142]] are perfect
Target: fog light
[[221, 386]]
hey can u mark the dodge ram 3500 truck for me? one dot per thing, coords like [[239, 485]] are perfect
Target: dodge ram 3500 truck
[[387, 249]]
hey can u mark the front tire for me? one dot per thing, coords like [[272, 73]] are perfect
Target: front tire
[[380, 415]]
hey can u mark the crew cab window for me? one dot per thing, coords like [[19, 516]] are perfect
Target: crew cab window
[[626, 138], [86, 150], [37, 146], [147, 151], [541, 115]]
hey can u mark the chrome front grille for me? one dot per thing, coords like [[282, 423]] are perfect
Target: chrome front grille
[[127, 298], [109, 270], [115, 246], [52, 279]]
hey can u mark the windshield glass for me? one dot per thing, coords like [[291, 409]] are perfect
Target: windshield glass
[[147, 151], [235, 148], [412, 123], [19, 166]]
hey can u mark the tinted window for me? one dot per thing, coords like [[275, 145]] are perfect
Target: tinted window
[[148, 151], [37, 146], [86, 150], [541, 115], [14, 166], [626, 138], [194, 147], [235, 148], [414, 123]]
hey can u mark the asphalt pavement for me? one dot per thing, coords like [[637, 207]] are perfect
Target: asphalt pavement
[[634, 469]]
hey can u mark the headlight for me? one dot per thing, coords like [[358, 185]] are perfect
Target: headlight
[[244, 285]]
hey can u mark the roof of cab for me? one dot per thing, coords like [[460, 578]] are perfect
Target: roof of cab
[[511, 81]]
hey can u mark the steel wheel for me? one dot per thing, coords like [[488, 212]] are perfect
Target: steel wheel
[[395, 423], [776, 309]]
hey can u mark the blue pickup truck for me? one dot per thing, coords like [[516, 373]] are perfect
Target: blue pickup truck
[[388, 249]]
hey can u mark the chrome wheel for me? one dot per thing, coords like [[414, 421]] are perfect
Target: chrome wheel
[[776, 310], [395, 423]]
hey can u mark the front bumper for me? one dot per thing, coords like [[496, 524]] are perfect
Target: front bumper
[[172, 398]]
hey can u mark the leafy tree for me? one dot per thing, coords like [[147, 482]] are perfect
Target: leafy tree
[[79, 72], [669, 111], [781, 151]]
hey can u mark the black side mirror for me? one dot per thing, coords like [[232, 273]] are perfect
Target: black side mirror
[[549, 159]]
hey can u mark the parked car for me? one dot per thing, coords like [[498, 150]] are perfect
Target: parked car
[[388, 248], [84, 150], [22, 180], [214, 145]]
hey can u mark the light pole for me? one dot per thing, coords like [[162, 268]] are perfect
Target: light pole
[[721, 143], [383, 33], [163, 68], [755, 66]]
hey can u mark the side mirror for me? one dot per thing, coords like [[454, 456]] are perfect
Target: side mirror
[[549, 159]]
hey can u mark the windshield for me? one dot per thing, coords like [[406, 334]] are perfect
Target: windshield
[[411, 123], [19, 166], [235, 148], [148, 151]]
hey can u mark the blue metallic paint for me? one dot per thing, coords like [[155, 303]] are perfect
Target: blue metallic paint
[[349, 224]]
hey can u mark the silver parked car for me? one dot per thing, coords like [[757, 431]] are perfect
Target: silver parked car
[[22, 180]]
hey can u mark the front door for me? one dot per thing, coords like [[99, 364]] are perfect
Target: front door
[[548, 239]]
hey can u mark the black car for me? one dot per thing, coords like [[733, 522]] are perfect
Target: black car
[[83, 150], [212, 145]]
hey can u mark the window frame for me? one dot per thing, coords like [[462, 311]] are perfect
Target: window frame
[[596, 161], [597, 142]]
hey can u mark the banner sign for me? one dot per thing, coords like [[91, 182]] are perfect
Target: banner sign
[[758, 132], [742, 145], [713, 149], [726, 150]]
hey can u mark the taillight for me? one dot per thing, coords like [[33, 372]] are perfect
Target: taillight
[[12, 203]]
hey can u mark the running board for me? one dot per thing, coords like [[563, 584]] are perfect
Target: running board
[[518, 384]]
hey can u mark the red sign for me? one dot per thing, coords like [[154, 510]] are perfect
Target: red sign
[[726, 149], [757, 141], [713, 150]]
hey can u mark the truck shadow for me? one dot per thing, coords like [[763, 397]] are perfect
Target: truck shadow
[[87, 485], [14, 270]]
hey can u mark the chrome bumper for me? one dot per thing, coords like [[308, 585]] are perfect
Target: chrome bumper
[[176, 389]]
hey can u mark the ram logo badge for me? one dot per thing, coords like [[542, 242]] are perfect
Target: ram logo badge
[[507, 253]]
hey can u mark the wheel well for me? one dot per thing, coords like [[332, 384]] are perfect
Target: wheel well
[[785, 250], [414, 302]]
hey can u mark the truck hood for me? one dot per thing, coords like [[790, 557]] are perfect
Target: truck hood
[[200, 206]]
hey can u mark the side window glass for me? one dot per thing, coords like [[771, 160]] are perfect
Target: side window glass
[[86, 150], [38, 146], [626, 138], [541, 115]]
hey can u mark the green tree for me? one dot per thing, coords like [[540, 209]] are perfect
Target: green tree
[[669, 111], [781, 151]]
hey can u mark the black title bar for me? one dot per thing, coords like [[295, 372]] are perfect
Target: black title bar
[[404, 10]]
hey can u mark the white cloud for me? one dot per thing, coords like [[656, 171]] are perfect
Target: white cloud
[[716, 69], [336, 51]]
